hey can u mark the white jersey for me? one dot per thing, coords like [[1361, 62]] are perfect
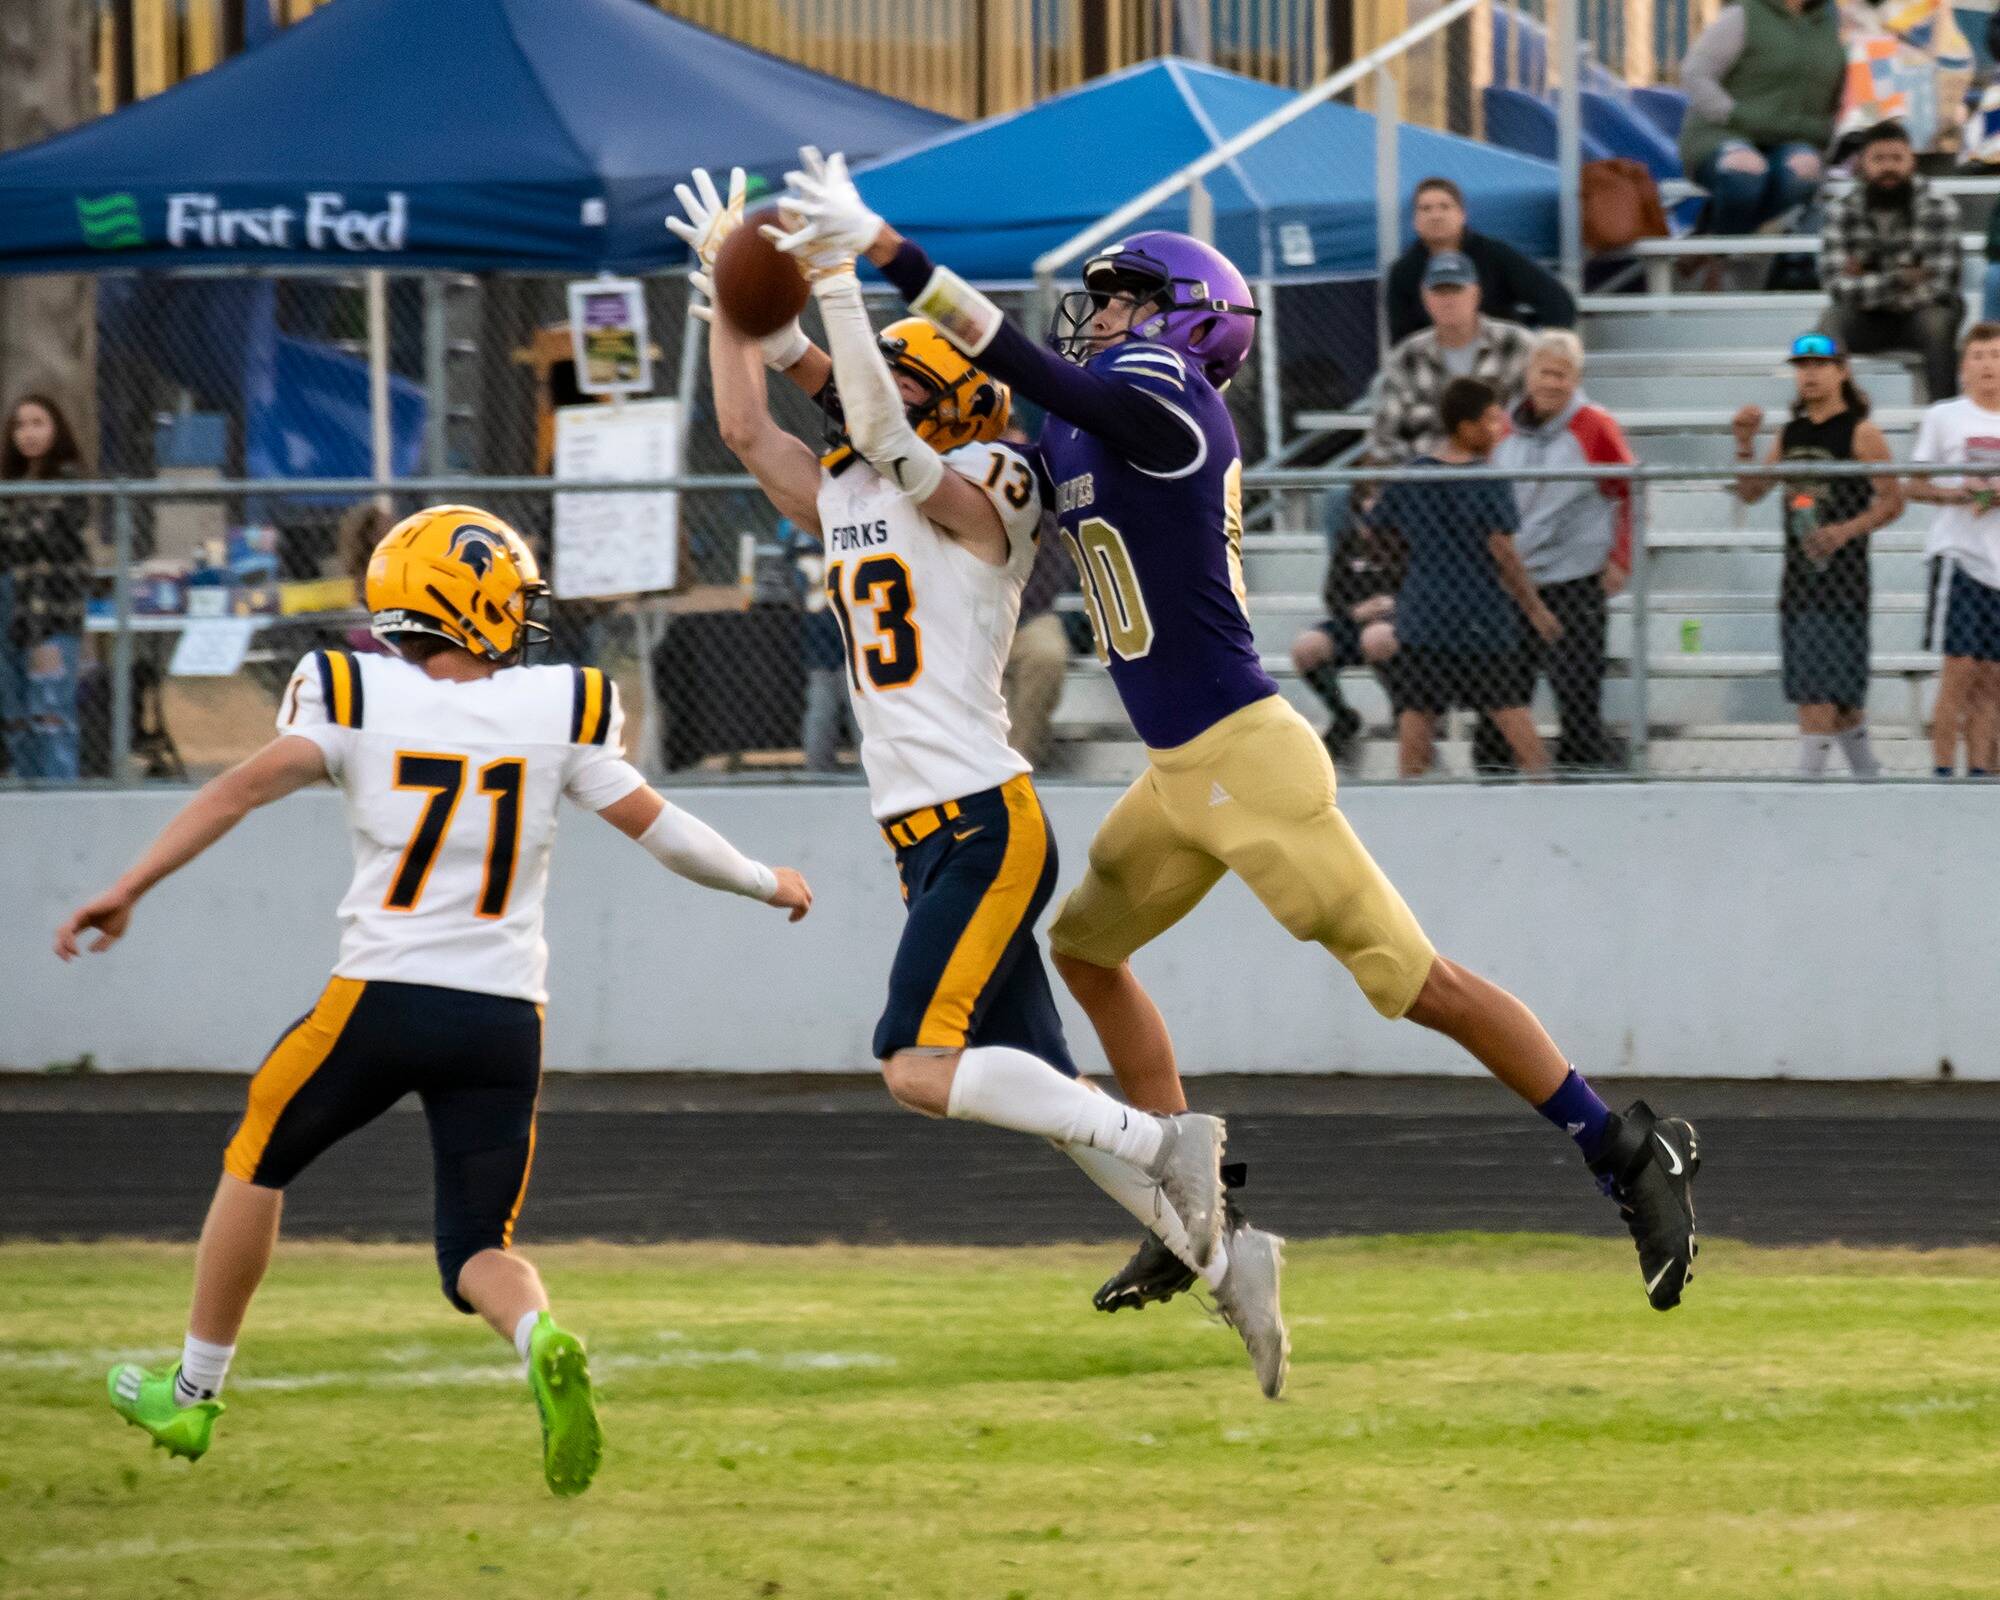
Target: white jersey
[[452, 792], [1958, 430], [928, 625]]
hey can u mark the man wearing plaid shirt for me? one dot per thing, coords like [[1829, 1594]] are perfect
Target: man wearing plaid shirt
[[1890, 261], [1459, 343]]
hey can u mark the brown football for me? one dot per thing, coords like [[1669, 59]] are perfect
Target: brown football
[[757, 285]]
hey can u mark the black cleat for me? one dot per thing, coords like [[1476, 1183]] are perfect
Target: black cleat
[[1648, 1166], [1155, 1274]]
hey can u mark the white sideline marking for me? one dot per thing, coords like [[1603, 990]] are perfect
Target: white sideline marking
[[146, 1548], [403, 1374]]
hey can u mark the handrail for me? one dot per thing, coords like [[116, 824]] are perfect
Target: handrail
[[1047, 263], [130, 489]]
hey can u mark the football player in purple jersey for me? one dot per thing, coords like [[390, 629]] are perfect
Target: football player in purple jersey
[[1145, 475]]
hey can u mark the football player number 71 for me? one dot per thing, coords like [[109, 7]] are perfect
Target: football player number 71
[[444, 778]]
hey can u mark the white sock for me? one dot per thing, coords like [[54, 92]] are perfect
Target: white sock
[[1861, 757], [203, 1367], [524, 1330], [1139, 1195], [1008, 1088], [1814, 748]]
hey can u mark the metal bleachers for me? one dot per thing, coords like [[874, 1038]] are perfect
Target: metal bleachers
[[1673, 369]]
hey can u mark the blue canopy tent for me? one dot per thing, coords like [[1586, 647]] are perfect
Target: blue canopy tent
[[460, 135], [468, 135], [989, 198]]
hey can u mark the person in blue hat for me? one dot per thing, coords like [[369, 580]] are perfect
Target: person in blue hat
[[1823, 596]]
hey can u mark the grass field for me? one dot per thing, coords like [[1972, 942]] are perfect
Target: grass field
[[1469, 1417]]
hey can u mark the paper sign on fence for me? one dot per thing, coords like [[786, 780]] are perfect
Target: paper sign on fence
[[617, 544], [213, 647]]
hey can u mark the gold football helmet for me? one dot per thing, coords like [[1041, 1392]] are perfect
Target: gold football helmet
[[962, 405], [459, 574]]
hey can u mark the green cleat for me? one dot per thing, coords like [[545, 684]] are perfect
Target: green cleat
[[146, 1400], [572, 1442]]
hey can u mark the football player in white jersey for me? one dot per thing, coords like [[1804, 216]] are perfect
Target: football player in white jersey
[[929, 529], [454, 760]]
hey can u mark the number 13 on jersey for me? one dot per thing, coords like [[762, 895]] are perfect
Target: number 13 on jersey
[[894, 658]]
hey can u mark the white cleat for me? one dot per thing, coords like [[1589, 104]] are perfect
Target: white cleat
[[1247, 1299], [1188, 1169]]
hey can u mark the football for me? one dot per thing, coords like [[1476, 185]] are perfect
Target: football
[[757, 285]]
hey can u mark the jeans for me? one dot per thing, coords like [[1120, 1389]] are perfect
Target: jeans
[[827, 720], [1742, 202], [38, 704], [1930, 332], [1989, 308]]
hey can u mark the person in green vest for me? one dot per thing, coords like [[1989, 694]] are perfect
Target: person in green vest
[[1763, 83]]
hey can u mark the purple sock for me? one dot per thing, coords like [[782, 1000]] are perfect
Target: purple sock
[[1576, 1110]]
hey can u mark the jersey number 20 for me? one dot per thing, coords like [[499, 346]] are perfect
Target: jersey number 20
[[882, 583], [444, 778]]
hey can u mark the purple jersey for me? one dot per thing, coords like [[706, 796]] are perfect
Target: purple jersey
[[1161, 551]]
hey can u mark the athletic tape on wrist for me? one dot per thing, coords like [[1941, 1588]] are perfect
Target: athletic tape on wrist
[[959, 311]]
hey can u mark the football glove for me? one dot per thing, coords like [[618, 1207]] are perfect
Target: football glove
[[710, 218], [834, 222]]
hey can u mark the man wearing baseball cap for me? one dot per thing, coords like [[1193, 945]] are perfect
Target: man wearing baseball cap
[[1460, 343]]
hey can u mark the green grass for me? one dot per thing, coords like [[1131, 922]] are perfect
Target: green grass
[[1469, 1417]]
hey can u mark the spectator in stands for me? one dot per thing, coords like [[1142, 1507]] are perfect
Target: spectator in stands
[[44, 580], [1965, 546], [1464, 593], [1038, 659], [1764, 83], [1364, 570], [1823, 596], [361, 528], [826, 725], [1510, 285], [1460, 343], [1890, 261], [1575, 538]]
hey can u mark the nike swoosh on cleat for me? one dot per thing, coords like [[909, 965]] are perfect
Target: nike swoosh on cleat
[[1673, 1156], [1655, 1283]]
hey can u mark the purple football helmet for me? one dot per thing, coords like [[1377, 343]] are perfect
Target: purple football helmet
[[1196, 301]]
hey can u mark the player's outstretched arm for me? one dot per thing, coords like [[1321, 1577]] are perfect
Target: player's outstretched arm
[[878, 424], [286, 764], [690, 848], [783, 465], [833, 216]]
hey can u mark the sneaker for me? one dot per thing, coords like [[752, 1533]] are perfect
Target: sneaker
[[1343, 736], [146, 1400], [1247, 1299], [1188, 1169], [1648, 1165], [1155, 1274], [572, 1442]]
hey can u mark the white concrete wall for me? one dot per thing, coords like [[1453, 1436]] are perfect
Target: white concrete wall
[[1835, 931]]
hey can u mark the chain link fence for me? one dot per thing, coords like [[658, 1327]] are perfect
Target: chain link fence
[[1391, 611]]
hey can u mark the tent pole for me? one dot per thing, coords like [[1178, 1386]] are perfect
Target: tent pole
[[378, 378], [1201, 212], [1569, 146], [1388, 221], [436, 396], [1267, 369]]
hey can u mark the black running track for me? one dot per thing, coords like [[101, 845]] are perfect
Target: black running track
[[804, 1159]]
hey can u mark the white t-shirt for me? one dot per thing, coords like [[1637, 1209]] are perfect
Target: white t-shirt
[[1953, 431], [927, 625], [452, 792]]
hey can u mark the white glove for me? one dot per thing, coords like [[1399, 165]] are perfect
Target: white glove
[[710, 218], [782, 349], [835, 224]]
